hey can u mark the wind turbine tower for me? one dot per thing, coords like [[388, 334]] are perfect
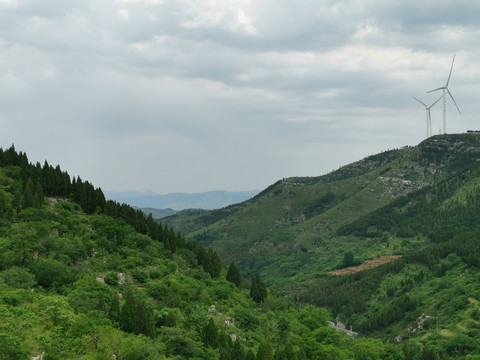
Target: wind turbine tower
[[429, 117], [445, 91]]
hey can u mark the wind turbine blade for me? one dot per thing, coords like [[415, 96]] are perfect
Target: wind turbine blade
[[440, 88], [436, 101], [421, 102], [449, 93], [451, 68]]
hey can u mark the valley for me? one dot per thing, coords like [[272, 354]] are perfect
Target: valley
[[388, 246]]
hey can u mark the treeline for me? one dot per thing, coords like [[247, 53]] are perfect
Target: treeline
[[38, 182]]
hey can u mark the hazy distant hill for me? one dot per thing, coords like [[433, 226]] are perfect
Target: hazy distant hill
[[180, 201]]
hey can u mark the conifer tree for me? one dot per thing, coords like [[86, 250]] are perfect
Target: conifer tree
[[260, 351], [210, 335], [268, 352], [225, 345], [301, 354], [17, 201], [83, 196], [28, 193], [101, 301], [213, 264], [250, 355], [144, 323], [152, 227], [114, 311], [4, 211], [233, 274], [38, 197], [280, 354], [265, 351], [258, 291], [237, 352], [170, 321], [128, 313]]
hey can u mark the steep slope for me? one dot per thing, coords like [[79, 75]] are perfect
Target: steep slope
[[432, 294], [289, 231]]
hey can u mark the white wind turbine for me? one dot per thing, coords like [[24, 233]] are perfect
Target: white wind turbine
[[445, 91], [429, 117]]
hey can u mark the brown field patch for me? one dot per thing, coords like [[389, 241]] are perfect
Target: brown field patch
[[370, 264]]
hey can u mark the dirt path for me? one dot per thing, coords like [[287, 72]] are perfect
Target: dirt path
[[366, 265]]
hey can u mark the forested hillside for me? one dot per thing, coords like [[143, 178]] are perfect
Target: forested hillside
[[297, 229], [85, 278], [433, 292], [420, 203]]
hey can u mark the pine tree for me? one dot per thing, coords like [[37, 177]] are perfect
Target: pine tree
[[28, 193], [254, 291], [38, 198], [128, 313], [301, 354], [210, 335], [265, 351], [101, 301], [280, 354], [225, 345], [258, 291], [4, 210], [82, 195], [144, 322], [214, 265], [250, 355], [233, 274], [152, 227], [237, 351], [260, 352], [17, 201], [114, 311], [268, 352], [170, 321]]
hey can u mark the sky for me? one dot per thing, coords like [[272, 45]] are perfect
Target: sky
[[200, 95]]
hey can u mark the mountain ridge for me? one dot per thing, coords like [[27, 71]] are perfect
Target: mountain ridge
[[209, 200]]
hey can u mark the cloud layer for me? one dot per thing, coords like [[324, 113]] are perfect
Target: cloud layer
[[188, 96]]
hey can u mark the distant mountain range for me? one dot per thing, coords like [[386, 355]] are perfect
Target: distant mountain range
[[179, 201]]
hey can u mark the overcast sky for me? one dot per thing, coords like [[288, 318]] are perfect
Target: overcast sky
[[197, 95]]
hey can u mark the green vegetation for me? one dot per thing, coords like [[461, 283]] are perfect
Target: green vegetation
[[83, 278], [86, 278], [295, 230], [421, 202]]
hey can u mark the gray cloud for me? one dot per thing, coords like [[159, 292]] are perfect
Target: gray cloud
[[235, 94]]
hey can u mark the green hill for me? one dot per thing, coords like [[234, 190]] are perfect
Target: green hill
[[85, 278], [289, 231]]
